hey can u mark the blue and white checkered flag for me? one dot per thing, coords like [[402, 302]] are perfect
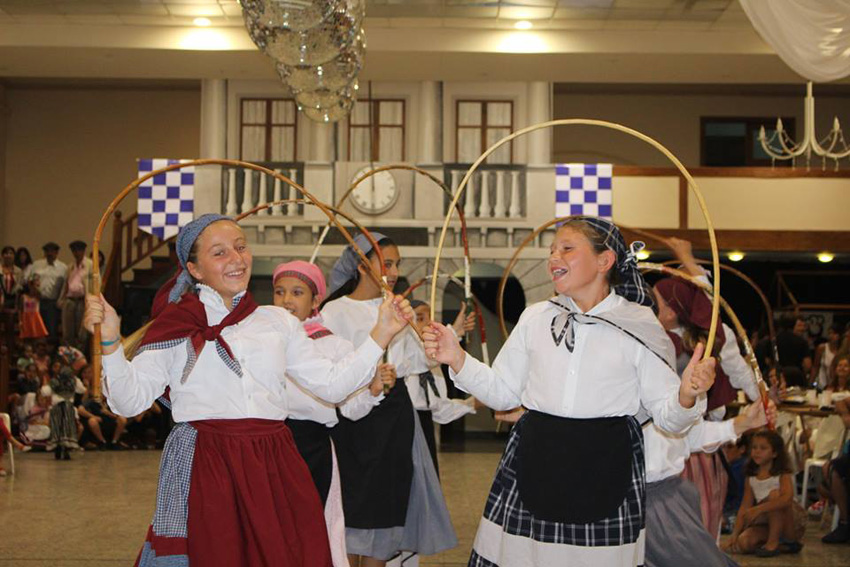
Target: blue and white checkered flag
[[166, 200], [583, 189]]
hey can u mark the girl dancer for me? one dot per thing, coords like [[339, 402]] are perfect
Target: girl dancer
[[391, 494], [570, 488], [685, 312], [233, 490], [299, 287], [427, 385]]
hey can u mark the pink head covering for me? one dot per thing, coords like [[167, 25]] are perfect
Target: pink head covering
[[304, 271]]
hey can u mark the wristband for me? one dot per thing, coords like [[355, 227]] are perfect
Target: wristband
[[110, 343]]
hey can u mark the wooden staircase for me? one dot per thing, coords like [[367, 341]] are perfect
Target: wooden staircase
[[136, 266]]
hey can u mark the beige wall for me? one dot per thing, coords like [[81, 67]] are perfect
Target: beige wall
[[673, 119], [69, 151]]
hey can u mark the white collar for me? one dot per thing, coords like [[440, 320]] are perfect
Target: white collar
[[604, 305], [215, 303]]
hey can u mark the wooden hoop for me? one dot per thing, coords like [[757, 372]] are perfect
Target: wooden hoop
[[739, 328], [715, 307], [96, 280]]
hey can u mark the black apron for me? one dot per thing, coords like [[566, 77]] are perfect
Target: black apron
[[376, 463], [573, 471], [313, 441]]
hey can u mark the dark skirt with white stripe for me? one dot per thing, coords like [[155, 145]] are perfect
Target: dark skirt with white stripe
[[675, 534], [567, 529], [63, 426]]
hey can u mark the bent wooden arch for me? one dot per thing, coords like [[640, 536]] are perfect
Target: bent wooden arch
[[715, 308]]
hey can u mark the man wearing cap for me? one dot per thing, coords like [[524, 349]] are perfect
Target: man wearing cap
[[72, 300], [51, 274]]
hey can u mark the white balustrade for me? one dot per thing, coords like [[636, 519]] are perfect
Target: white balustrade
[[499, 209], [292, 209], [515, 210], [469, 205], [484, 205], [277, 210], [247, 190], [232, 206], [263, 195]]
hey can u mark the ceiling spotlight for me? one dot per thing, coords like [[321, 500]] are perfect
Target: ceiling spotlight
[[735, 256], [826, 257], [202, 22], [642, 255], [523, 25]]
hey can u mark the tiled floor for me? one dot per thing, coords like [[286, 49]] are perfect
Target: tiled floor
[[94, 511]]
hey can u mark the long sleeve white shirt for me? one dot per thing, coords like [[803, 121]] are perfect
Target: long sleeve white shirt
[[666, 453], [608, 373], [353, 319], [269, 344], [304, 405], [443, 409]]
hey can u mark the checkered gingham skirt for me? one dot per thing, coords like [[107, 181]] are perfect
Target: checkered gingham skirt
[[510, 536]]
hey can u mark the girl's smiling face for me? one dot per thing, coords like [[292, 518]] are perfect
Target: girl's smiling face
[[574, 265], [222, 259], [295, 296]]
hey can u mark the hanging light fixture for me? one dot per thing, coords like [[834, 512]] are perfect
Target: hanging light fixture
[[780, 146], [318, 47]]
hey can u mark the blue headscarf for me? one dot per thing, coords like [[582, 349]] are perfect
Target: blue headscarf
[[346, 267], [185, 240], [632, 285]]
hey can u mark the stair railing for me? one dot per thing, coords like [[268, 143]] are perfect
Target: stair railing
[[130, 247]]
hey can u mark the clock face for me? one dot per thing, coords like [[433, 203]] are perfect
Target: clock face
[[376, 194]]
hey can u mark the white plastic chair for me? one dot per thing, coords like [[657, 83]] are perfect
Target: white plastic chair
[[830, 436], [7, 421]]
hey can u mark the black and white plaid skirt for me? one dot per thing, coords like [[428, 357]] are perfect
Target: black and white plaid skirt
[[511, 535]]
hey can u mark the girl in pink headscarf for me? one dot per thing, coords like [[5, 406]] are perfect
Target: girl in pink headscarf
[[299, 287]]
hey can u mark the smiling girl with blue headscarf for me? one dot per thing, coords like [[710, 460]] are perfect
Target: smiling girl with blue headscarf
[[233, 490]]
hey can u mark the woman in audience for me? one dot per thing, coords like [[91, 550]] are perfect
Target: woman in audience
[[840, 374], [23, 260]]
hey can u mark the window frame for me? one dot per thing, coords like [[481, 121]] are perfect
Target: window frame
[[483, 127], [269, 126], [751, 124], [375, 129]]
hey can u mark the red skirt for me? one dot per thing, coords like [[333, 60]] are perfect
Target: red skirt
[[251, 500]]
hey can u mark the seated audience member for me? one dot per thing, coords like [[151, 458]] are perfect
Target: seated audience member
[[770, 521], [102, 424], [26, 358], [72, 357], [6, 435], [836, 485], [840, 374]]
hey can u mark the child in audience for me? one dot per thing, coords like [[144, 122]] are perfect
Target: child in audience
[[770, 521], [32, 325], [26, 358]]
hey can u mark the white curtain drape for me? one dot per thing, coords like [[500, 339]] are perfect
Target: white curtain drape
[[811, 36]]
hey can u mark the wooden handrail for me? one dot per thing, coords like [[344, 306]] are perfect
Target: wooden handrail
[[130, 247]]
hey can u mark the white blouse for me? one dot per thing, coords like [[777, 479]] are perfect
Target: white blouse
[[269, 344], [353, 319], [304, 405], [666, 453], [443, 409], [608, 373]]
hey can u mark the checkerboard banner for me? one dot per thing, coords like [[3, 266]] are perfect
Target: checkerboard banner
[[583, 189], [166, 200]]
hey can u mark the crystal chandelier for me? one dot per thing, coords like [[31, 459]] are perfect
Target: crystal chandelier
[[318, 47], [780, 146]]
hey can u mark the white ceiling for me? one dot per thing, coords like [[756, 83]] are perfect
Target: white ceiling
[[692, 15], [572, 41]]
